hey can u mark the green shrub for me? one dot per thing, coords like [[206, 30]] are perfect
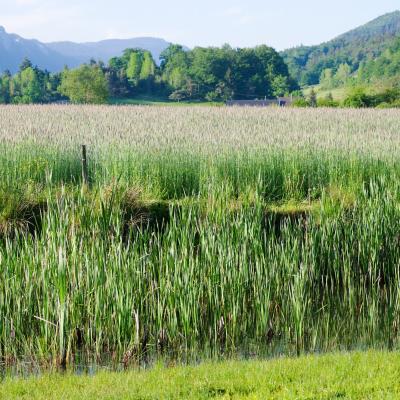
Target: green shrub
[[301, 102], [327, 102], [358, 98]]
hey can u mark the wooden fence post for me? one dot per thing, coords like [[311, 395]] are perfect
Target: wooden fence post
[[85, 171]]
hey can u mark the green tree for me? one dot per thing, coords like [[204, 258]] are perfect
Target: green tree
[[280, 85], [86, 84], [327, 80], [177, 77], [133, 73], [342, 74], [27, 87], [118, 83], [357, 98], [26, 63], [174, 55], [148, 67], [134, 67], [5, 87], [147, 73], [30, 86], [174, 67]]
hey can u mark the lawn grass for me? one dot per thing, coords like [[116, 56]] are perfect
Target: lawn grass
[[159, 101], [338, 94], [359, 375]]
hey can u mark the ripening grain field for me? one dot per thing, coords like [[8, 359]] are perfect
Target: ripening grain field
[[203, 232]]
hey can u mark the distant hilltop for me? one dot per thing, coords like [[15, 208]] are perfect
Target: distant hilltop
[[55, 56]]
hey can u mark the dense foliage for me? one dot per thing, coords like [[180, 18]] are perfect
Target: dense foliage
[[386, 67], [29, 85], [86, 84], [383, 70], [199, 74], [214, 73], [347, 52]]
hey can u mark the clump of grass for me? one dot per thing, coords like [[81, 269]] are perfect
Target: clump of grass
[[21, 211]]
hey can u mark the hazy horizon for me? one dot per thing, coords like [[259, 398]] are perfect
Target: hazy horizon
[[205, 24]]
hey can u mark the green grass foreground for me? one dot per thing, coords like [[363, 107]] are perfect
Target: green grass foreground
[[369, 375]]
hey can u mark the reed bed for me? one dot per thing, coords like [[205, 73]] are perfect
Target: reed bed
[[205, 231]]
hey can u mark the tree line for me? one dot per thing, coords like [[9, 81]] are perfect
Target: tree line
[[206, 74], [384, 69], [348, 52]]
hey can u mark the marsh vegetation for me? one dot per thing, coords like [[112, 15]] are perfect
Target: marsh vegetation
[[204, 231]]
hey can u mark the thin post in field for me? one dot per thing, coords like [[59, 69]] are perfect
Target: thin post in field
[[85, 171]]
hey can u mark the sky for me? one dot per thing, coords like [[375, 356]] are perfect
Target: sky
[[281, 24]]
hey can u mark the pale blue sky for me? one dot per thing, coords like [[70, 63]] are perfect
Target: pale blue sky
[[280, 24]]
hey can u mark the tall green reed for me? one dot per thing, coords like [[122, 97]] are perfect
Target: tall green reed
[[212, 278]]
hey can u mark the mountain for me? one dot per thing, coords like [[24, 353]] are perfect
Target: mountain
[[359, 45], [14, 48], [106, 49], [54, 56]]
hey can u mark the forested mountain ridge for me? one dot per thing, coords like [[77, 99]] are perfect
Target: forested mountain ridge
[[365, 43]]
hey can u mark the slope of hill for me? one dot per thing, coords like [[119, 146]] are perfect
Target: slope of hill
[[54, 56], [383, 69], [361, 44]]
